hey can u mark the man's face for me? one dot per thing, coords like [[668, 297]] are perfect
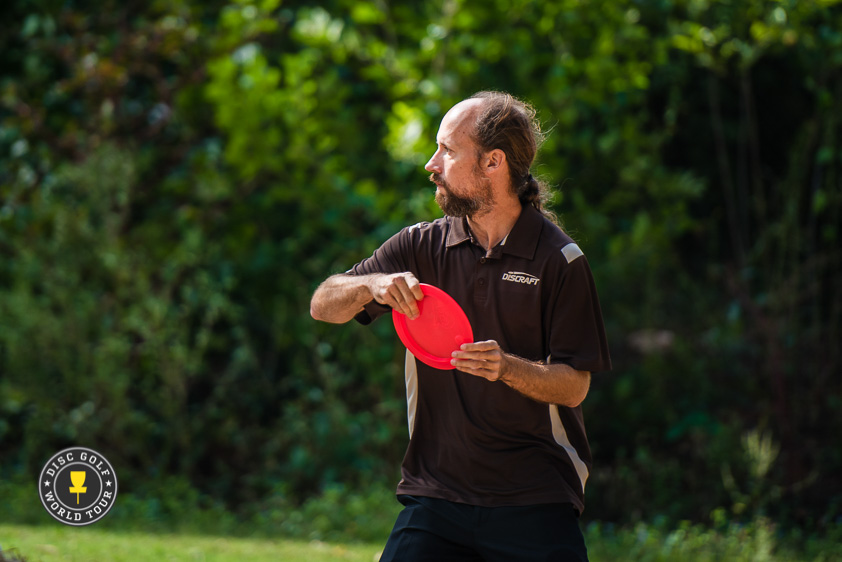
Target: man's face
[[461, 188]]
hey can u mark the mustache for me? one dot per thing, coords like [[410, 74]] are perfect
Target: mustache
[[435, 178]]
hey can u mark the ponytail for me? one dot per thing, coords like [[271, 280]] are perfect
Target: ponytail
[[538, 194]]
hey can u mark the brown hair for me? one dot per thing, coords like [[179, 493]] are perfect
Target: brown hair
[[509, 124]]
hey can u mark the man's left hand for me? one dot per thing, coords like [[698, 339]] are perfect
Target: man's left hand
[[484, 359]]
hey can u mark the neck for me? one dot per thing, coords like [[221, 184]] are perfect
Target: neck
[[490, 228]]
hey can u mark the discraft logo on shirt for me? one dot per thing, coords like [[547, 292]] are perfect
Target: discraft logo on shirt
[[78, 486]]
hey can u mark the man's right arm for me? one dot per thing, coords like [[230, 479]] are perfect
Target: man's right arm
[[341, 297]]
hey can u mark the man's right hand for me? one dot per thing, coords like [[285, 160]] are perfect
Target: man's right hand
[[341, 297], [401, 291]]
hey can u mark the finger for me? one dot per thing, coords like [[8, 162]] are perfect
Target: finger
[[474, 364], [414, 287], [399, 304], [394, 299], [488, 345], [476, 368], [487, 356], [409, 304], [390, 301]]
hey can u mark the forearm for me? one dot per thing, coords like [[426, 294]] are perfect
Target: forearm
[[340, 297], [552, 384]]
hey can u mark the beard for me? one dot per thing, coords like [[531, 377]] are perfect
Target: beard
[[481, 202]]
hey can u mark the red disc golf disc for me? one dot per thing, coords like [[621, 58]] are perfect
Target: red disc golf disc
[[440, 329]]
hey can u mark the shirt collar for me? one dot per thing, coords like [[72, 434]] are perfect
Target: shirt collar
[[458, 231], [521, 241]]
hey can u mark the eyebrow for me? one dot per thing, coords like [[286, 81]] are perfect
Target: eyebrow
[[446, 144]]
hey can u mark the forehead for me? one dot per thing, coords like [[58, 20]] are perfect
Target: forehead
[[458, 123]]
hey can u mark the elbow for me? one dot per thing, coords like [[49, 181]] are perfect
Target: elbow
[[316, 311], [324, 314], [575, 403], [584, 385]]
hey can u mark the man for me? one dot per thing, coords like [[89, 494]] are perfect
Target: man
[[498, 457]]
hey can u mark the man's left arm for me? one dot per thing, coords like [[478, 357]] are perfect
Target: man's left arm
[[553, 384]]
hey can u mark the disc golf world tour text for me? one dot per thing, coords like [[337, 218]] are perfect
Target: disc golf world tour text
[[94, 463]]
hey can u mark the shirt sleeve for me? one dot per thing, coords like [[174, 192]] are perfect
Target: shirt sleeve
[[391, 257], [577, 333]]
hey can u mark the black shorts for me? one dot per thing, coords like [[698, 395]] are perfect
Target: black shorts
[[439, 530]]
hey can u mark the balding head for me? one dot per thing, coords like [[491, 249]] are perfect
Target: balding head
[[459, 124]]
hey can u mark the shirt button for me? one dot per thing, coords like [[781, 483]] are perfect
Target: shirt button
[[481, 281], [482, 260]]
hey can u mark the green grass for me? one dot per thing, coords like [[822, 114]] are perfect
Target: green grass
[[758, 542], [54, 543]]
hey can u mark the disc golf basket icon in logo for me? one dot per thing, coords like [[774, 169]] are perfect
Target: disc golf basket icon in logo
[[78, 479]]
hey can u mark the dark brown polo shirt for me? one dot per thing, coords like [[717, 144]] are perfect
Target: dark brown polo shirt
[[479, 442]]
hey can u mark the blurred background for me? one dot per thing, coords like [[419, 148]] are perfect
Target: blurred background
[[176, 177]]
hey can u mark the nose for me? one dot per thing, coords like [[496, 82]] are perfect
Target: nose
[[432, 164]]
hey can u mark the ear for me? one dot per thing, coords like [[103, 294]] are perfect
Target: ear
[[494, 161]]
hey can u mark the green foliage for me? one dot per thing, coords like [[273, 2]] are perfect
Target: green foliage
[[177, 177], [337, 514]]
